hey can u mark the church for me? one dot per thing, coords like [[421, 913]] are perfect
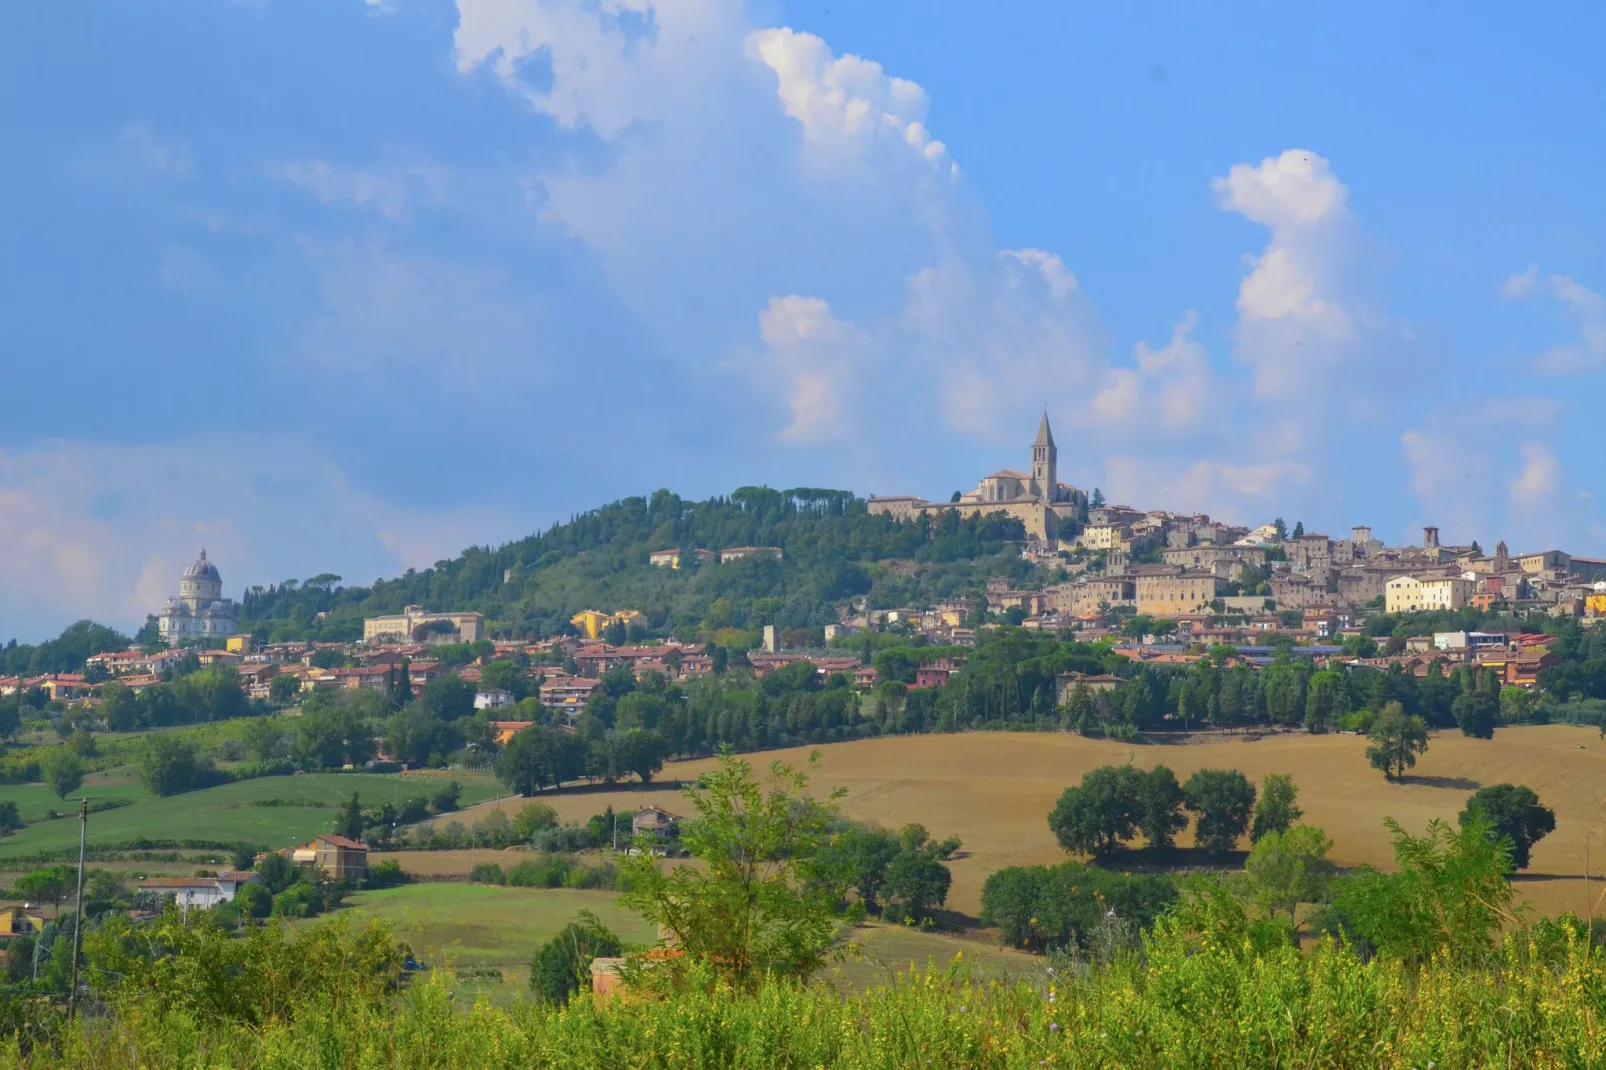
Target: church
[[1036, 498], [200, 611]]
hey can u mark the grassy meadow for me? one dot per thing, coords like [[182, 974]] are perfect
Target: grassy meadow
[[994, 790], [459, 927], [268, 811]]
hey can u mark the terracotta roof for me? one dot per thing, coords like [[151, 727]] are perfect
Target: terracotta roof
[[341, 841]]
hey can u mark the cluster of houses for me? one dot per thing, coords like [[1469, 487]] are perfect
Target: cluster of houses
[[1231, 584], [337, 856]]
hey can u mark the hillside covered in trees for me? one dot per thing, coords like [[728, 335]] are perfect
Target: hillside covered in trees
[[834, 550]]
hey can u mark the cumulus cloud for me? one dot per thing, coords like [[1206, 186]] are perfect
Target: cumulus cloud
[[816, 357], [1003, 336], [1520, 284], [606, 66], [1588, 310], [1293, 321], [1167, 392], [1459, 458], [1536, 481], [845, 103]]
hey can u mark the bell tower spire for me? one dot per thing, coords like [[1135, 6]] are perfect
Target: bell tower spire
[[1045, 461]]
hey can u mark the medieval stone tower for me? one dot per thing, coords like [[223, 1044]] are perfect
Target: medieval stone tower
[[1045, 462]]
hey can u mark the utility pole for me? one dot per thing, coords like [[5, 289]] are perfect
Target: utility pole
[[78, 915]]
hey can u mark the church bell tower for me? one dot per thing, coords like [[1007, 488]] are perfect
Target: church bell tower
[[1045, 462]]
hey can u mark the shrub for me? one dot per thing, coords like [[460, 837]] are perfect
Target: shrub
[[444, 801], [298, 901], [562, 965], [386, 874], [487, 873], [548, 871], [254, 900], [532, 818]]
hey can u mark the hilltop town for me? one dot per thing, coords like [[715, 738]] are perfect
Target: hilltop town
[[1158, 586]]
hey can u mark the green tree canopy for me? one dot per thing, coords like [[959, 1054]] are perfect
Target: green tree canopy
[[1162, 807], [1395, 741], [1512, 813], [170, 765], [562, 966], [1100, 814], [1287, 868], [1223, 800], [63, 770], [762, 901], [1276, 810]]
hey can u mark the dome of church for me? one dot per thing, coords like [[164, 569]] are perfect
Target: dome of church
[[202, 569]]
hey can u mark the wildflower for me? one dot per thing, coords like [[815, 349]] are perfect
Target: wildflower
[[1053, 1027]]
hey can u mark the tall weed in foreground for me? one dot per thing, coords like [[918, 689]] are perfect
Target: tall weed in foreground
[[1192, 999]]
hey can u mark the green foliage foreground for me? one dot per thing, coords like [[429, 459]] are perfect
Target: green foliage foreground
[[1198, 994]]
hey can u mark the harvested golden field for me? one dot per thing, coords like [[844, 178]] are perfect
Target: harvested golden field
[[994, 790]]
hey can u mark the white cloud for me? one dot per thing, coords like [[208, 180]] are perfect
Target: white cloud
[[385, 192], [1537, 480], [1003, 337], [1520, 284], [818, 358], [103, 531], [1168, 392], [1294, 325], [1458, 458], [611, 64], [846, 103], [1588, 310], [1296, 189]]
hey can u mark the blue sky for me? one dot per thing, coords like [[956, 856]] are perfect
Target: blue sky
[[348, 286]]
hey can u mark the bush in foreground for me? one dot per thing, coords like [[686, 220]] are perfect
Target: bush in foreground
[[1196, 998]]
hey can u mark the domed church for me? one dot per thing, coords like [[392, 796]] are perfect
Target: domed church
[[200, 611]]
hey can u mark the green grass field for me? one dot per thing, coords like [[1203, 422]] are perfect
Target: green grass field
[[885, 951], [485, 926], [229, 812]]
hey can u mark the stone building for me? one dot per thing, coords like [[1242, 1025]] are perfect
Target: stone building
[[414, 623], [199, 611], [1169, 591], [1036, 498]]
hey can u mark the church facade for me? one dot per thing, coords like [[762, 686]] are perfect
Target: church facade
[[199, 611], [1036, 497]]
